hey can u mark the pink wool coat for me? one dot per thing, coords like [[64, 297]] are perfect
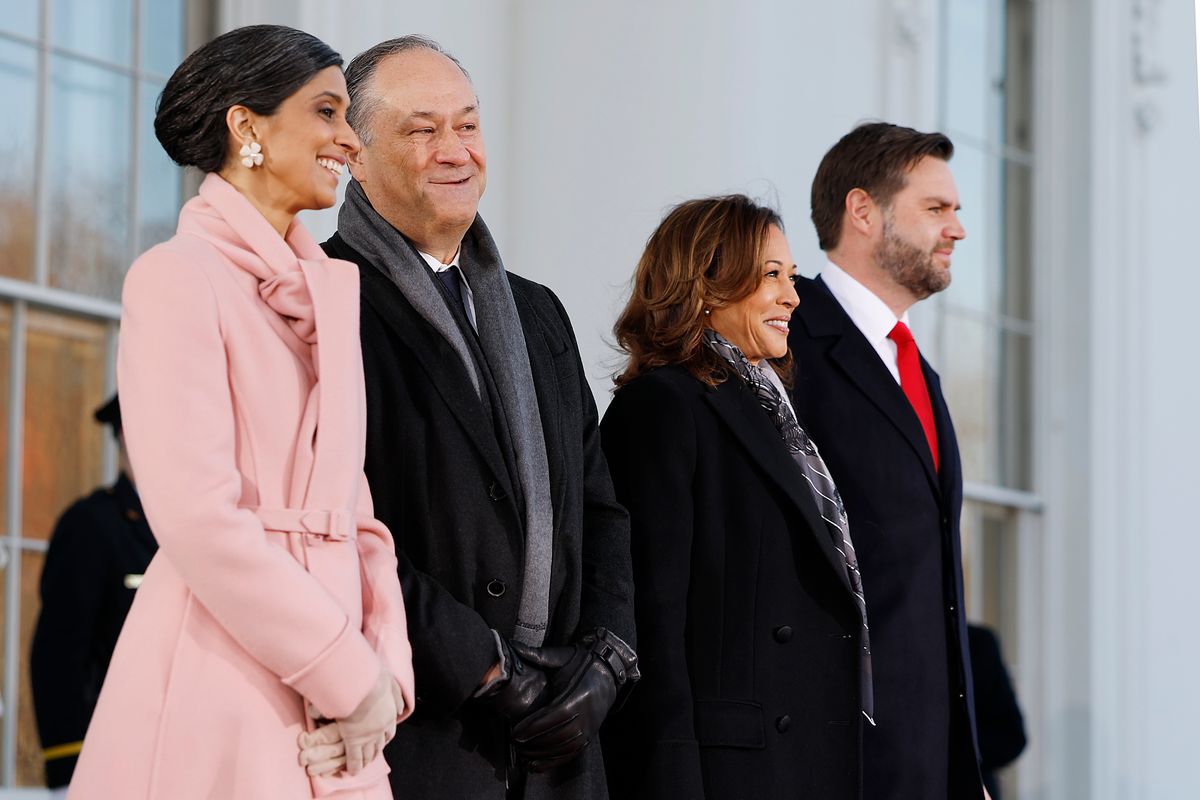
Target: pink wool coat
[[242, 393]]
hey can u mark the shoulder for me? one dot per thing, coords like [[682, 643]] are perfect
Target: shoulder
[[537, 295], [666, 387], [87, 517], [174, 269]]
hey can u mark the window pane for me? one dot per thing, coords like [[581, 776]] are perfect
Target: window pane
[[98, 28], [18, 150], [31, 770], [5, 353], [973, 284], [974, 84], [89, 141], [159, 180], [985, 377], [21, 18], [65, 380], [162, 35]]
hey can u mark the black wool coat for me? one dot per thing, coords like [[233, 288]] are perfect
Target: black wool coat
[[439, 482], [749, 632], [904, 520], [100, 548]]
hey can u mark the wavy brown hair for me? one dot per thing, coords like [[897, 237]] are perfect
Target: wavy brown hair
[[705, 254]]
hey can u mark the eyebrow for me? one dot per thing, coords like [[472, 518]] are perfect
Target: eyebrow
[[434, 115], [327, 93], [941, 201]]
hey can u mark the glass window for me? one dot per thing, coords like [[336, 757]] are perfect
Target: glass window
[[31, 769], [162, 36], [159, 180], [88, 172], [21, 18], [974, 77], [101, 29], [65, 382], [18, 154]]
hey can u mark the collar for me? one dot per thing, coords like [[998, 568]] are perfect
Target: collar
[[868, 313], [438, 266]]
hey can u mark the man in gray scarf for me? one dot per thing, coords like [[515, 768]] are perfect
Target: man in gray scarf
[[483, 457]]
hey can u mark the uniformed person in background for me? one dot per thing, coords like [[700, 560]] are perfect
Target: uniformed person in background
[[99, 550]]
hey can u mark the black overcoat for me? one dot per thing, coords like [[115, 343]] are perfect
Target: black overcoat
[[748, 629], [100, 547], [904, 519], [439, 482]]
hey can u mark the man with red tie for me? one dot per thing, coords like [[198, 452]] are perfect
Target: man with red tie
[[885, 207]]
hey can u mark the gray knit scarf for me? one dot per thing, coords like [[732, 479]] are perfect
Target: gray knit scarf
[[503, 344]]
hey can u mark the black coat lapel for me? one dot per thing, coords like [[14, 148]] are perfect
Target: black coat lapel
[[738, 409], [823, 316], [949, 466], [445, 370]]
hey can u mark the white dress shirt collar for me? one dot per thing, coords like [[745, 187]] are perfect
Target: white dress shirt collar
[[868, 313]]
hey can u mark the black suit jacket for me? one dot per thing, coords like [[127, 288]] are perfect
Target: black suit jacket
[[439, 481], [904, 519], [748, 629]]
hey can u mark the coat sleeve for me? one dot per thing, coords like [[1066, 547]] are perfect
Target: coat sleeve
[[607, 599], [385, 623], [650, 440], [178, 417]]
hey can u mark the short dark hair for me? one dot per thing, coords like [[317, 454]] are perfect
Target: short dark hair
[[361, 72], [258, 66], [874, 157]]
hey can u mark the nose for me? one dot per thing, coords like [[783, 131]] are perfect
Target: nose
[[955, 230], [790, 298], [346, 138], [450, 149]]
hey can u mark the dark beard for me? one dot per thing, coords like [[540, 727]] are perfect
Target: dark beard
[[909, 265]]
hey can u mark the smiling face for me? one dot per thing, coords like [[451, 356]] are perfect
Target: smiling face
[[758, 323], [919, 231], [424, 167], [305, 145]]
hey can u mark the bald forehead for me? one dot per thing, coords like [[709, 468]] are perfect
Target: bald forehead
[[421, 72]]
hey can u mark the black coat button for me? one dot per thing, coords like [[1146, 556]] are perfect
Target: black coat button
[[783, 723], [783, 634], [496, 587], [495, 492]]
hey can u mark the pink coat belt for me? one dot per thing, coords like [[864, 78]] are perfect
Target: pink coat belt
[[338, 526]]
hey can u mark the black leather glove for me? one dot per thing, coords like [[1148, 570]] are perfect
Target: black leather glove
[[587, 679], [524, 690]]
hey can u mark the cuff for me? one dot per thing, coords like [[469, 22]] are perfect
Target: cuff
[[505, 669], [338, 679]]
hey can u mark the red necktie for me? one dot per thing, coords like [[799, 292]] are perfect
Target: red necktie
[[912, 381]]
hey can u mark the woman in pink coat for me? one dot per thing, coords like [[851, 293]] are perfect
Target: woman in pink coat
[[274, 598]]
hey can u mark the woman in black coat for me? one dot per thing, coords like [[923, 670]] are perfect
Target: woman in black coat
[[752, 639]]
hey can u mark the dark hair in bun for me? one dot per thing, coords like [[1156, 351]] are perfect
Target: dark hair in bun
[[258, 66]]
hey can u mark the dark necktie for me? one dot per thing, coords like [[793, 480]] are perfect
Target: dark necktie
[[912, 381], [452, 281]]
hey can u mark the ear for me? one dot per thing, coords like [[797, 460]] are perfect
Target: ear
[[862, 212], [241, 124], [357, 160]]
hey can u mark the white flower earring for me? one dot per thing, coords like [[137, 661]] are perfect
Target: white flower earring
[[251, 154]]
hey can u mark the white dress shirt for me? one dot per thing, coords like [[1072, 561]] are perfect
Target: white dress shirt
[[468, 296], [868, 313]]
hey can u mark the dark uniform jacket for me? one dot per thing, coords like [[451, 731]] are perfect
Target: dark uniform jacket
[[904, 519], [748, 630], [439, 481], [99, 550]]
